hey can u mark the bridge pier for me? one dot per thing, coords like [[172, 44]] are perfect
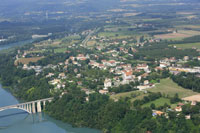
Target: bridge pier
[[44, 104], [26, 106], [30, 108], [39, 109], [33, 108]]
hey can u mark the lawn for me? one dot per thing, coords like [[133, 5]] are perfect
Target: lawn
[[168, 87], [187, 45], [158, 102]]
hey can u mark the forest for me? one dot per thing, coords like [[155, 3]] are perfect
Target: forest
[[23, 84], [116, 117], [186, 80]]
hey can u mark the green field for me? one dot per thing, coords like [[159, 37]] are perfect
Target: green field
[[158, 102], [187, 45], [166, 87], [60, 50], [138, 95]]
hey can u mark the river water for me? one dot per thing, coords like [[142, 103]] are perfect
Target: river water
[[17, 121]]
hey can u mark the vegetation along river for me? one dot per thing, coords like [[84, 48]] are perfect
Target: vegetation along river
[[18, 121]]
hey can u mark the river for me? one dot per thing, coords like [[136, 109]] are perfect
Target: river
[[17, 121]]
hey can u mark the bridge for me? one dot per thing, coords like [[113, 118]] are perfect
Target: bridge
[[30, 107]]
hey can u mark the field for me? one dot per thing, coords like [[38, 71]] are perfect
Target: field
[[158, 102], [166, 87], [187, 45], [91, 43], [28, 60], [179, 35], [133, 95], [189, 26], [193, 98], [172, 36], [60, 50]]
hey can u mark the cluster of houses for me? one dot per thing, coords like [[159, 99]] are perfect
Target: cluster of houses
[[124, 75], [175, 65], [178, 109]]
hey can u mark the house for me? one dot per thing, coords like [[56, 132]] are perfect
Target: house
[[110, 63], [55, 81], [186, 58], [187, 117], [158, 69], [107, 83], [87, 99], [172, 59], [143, 87], [72, 58], [49, 75], [145, 75], [178, 109], [101, 66], [103, 91], [79, 83], [62, 76], [81, 57], [144, 67], [193, 103], [146, 82], [94, 63], [156, 112], [163, 65], [127, 75], [198, 57], [87, 91], [181, 104]]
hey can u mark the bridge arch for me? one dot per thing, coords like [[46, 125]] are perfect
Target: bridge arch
[[15, 108]]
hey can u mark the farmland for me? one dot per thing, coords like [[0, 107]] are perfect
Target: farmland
[[28, 60], [178, 35], [187, 45]]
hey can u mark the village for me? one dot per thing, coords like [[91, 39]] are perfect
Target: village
[[118, 73]]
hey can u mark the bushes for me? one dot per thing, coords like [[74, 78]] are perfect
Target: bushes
[[146, 99]]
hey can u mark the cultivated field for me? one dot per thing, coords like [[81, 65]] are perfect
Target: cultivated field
[[28, 60], [180, 35], [172, 36], [187, 45], [193, 98]]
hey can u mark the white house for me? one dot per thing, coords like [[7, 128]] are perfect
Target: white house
[[107, 84]]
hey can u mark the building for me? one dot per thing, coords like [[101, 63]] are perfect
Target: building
[[103, 91], [107, 83], [62, 76], [178, 109], [144, 67], [49, 75], [146, 82]]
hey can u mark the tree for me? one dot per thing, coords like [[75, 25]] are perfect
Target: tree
[[153, 106]]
